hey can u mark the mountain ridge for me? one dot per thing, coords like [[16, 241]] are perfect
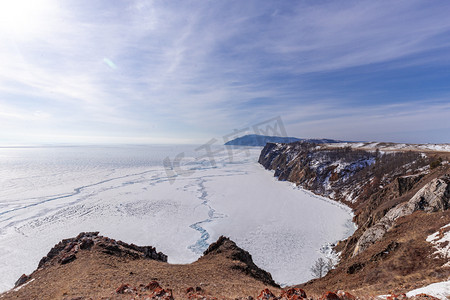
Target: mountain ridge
[[262, 140]]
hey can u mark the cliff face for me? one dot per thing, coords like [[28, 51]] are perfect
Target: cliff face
[[385, 190], [342, 174]]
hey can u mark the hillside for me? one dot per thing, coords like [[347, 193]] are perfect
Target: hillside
[[399, 199], [91, 266], [95, 267]]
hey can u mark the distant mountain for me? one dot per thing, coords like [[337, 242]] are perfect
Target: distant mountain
[[262, 140], [323, 141]]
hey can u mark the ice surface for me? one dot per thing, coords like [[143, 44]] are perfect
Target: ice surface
[[48, 194]]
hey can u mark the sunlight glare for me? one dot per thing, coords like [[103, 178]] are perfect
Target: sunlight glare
[[25, 18]]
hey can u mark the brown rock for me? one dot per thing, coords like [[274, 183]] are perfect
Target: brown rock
[[423, 297], [68, 258], [24, 278], [153, 285], [293, 294], [225, 246], [64, 252], [330, 296], [124, 288], [266, 294], [345, 295], [397, 297], [161, 294]]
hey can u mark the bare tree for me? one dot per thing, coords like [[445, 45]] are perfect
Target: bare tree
[[321, 267], [329, 266], [318, 269]]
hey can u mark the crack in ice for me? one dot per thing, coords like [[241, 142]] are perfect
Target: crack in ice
[[201, 244]]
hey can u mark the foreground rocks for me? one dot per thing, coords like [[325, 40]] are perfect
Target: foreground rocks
[[65, 251], [150, 291]]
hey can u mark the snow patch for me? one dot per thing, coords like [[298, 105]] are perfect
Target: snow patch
[[441, 242], [392, 146], [439, 290], [22, 285]]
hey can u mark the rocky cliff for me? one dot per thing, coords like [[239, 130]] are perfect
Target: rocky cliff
[[399, 198]]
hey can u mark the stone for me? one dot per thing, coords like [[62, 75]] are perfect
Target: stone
[[266, 294], [153, 285], [330, 296], [124, 288], [345, 295], [293, 294], [68, 258], [24, 278]]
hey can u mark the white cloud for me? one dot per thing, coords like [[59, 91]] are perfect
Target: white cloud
[[188, 67]]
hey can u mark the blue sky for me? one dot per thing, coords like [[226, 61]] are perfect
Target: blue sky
[[188, 71]]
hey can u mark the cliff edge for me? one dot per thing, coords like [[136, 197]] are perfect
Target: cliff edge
[[399, 198]]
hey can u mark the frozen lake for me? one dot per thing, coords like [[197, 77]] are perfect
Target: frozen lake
[[51, 193]]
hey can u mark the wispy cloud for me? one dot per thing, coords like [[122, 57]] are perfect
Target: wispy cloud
[[154, 70]]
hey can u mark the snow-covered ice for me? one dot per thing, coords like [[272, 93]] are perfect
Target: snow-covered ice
[[48, 194]]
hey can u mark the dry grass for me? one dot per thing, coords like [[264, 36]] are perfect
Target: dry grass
[[97, 275], [410, 265]]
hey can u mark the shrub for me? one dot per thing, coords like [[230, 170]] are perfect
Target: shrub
[[436, 163]]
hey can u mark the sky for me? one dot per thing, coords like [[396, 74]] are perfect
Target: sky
[[143, 72]]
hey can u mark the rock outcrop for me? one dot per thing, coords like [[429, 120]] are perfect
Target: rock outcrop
[[65, 251], [406, 183], [225, 246], [434, 196]]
